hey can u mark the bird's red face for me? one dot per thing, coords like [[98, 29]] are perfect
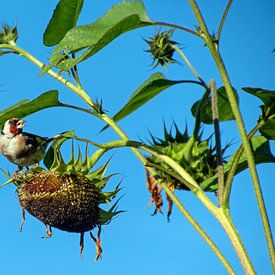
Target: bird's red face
[[14, 126]]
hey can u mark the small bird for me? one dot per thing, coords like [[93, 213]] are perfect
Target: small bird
[[21, 148]]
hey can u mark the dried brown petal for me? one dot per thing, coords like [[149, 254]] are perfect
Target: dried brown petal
[[97, 243], [155, 190]]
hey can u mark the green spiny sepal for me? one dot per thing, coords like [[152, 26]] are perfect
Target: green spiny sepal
[[8, 35], [161, 48], [195, 155]]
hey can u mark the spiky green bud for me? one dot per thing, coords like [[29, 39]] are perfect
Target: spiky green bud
[[199, 160], [161, 48], [8, 35]]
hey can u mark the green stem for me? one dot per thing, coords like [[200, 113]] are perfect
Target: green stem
[[215, 114], [191, 67], [77, 89], [217, 212], [234, 166], [223, 19], [191, 142], [198, 228], [234, 105], [174, 26]]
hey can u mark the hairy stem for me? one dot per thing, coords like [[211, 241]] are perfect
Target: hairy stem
[[239, 120]]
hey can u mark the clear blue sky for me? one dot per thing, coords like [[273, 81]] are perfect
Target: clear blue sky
[[136, 243]]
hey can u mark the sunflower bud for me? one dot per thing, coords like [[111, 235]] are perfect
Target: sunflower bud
[[199, 160], [8, 35], [161, 48]]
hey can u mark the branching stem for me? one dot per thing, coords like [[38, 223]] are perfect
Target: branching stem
[[174, 26], [211, 44], [188, 63]]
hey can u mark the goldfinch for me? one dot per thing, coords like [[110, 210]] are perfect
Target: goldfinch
[[21, 148]]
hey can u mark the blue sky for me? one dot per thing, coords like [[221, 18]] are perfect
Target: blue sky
[[136, 243]]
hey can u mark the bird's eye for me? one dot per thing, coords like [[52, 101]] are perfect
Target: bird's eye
[[13, 122]]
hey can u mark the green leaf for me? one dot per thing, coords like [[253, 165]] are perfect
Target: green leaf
[[268, 110], [91, 38], [266, 96], [27, 107], [268, 130], [261, 152], [149, 89], [225, 110], [64, 18]]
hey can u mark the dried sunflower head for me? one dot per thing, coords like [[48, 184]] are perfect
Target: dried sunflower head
[[67, 196]]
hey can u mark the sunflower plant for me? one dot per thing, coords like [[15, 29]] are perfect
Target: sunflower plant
[[68, 195]]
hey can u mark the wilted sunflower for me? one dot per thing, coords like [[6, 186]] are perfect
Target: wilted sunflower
[[67, 195]]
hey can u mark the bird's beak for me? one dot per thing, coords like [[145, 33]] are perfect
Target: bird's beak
[[20, 124]]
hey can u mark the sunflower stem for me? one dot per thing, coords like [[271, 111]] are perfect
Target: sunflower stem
[[223, 19], [198, 228], [234, 166], [76, 89], [188, 63], [212, 46], [222, 215], [174, 26]]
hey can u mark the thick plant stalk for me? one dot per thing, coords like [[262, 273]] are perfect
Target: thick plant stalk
[[213, 48]]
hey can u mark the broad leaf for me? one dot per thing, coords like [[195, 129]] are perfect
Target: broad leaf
[[64, 18], [268, 110], [268, 130], [149, 89], [266, 96], [262, 154], [91, 38], [27, 107], [225, 111]]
